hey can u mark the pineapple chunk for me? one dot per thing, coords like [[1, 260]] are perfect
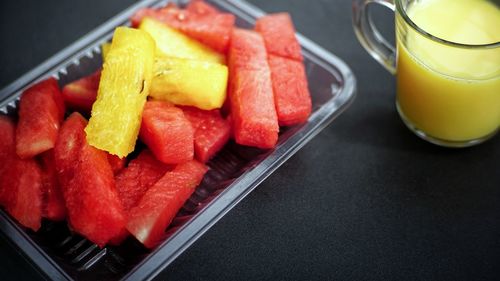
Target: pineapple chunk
[[123, 89], [173, 43], [104, 50], [189, 82]]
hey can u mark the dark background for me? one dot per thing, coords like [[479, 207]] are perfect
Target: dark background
[[364, 200]]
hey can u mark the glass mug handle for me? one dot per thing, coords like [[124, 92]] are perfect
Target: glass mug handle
[[368, 35]]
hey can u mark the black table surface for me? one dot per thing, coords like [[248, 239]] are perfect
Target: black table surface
[[364, 200]]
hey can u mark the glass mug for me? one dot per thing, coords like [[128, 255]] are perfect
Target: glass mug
[[448, 93]]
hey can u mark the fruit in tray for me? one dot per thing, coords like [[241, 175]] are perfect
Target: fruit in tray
[[20, 180], [88, 185], [117, 163], [199, 21], [172, 43], [84, 172], [189, 82], [251, 94], [104, 50], [201, 8], [167, 132], [54, 206], [81, 94], [7, 152], [211, 131], [40, 113], [123, 89], [23, 192], [291, 94], [148, 220], [279, 35], [141, 173]]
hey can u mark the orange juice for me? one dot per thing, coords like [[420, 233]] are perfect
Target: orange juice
[[448, 92]]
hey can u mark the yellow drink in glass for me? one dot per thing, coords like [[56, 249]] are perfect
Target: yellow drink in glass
[[450, 93]]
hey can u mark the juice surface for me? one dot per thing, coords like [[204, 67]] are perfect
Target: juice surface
[[450, 93]]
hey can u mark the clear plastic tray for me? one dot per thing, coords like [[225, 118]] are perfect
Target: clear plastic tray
[[235, 171]]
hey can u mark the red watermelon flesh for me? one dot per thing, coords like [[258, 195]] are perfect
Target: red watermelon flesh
[[7, 139], [212, 29], [291, 93], [24, 192], [148, 220], [167, 132], [39, 119], [20, 180], [279, 35], [201, 8], [67, 148], [253, 112], [247, 51], [137, 17], [81, 94], [117, 163], [52, 86], [53, 201], [255, 122], [141, 173], [7, 154], [211, 131], [94, 208]]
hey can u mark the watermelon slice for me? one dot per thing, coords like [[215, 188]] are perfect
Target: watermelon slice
[[211, 131], [136, 18], [81, 94], [247, 51], [253, 112], [93, 207], [157, 208], [7, 154], [20, 180], [201, 8], [214, 31], [255, 122], [291, 94], [51, 85], [279, 35], [141, 173], [39, 119], [7, 138], [53, 206], [23, 183], [211, 29], [167, 132], [117, 163], [67, 148]]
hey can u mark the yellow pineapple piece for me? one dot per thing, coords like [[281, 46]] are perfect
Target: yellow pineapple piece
[[189, 82], [173, 43], [123, 89], [104, 50]]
